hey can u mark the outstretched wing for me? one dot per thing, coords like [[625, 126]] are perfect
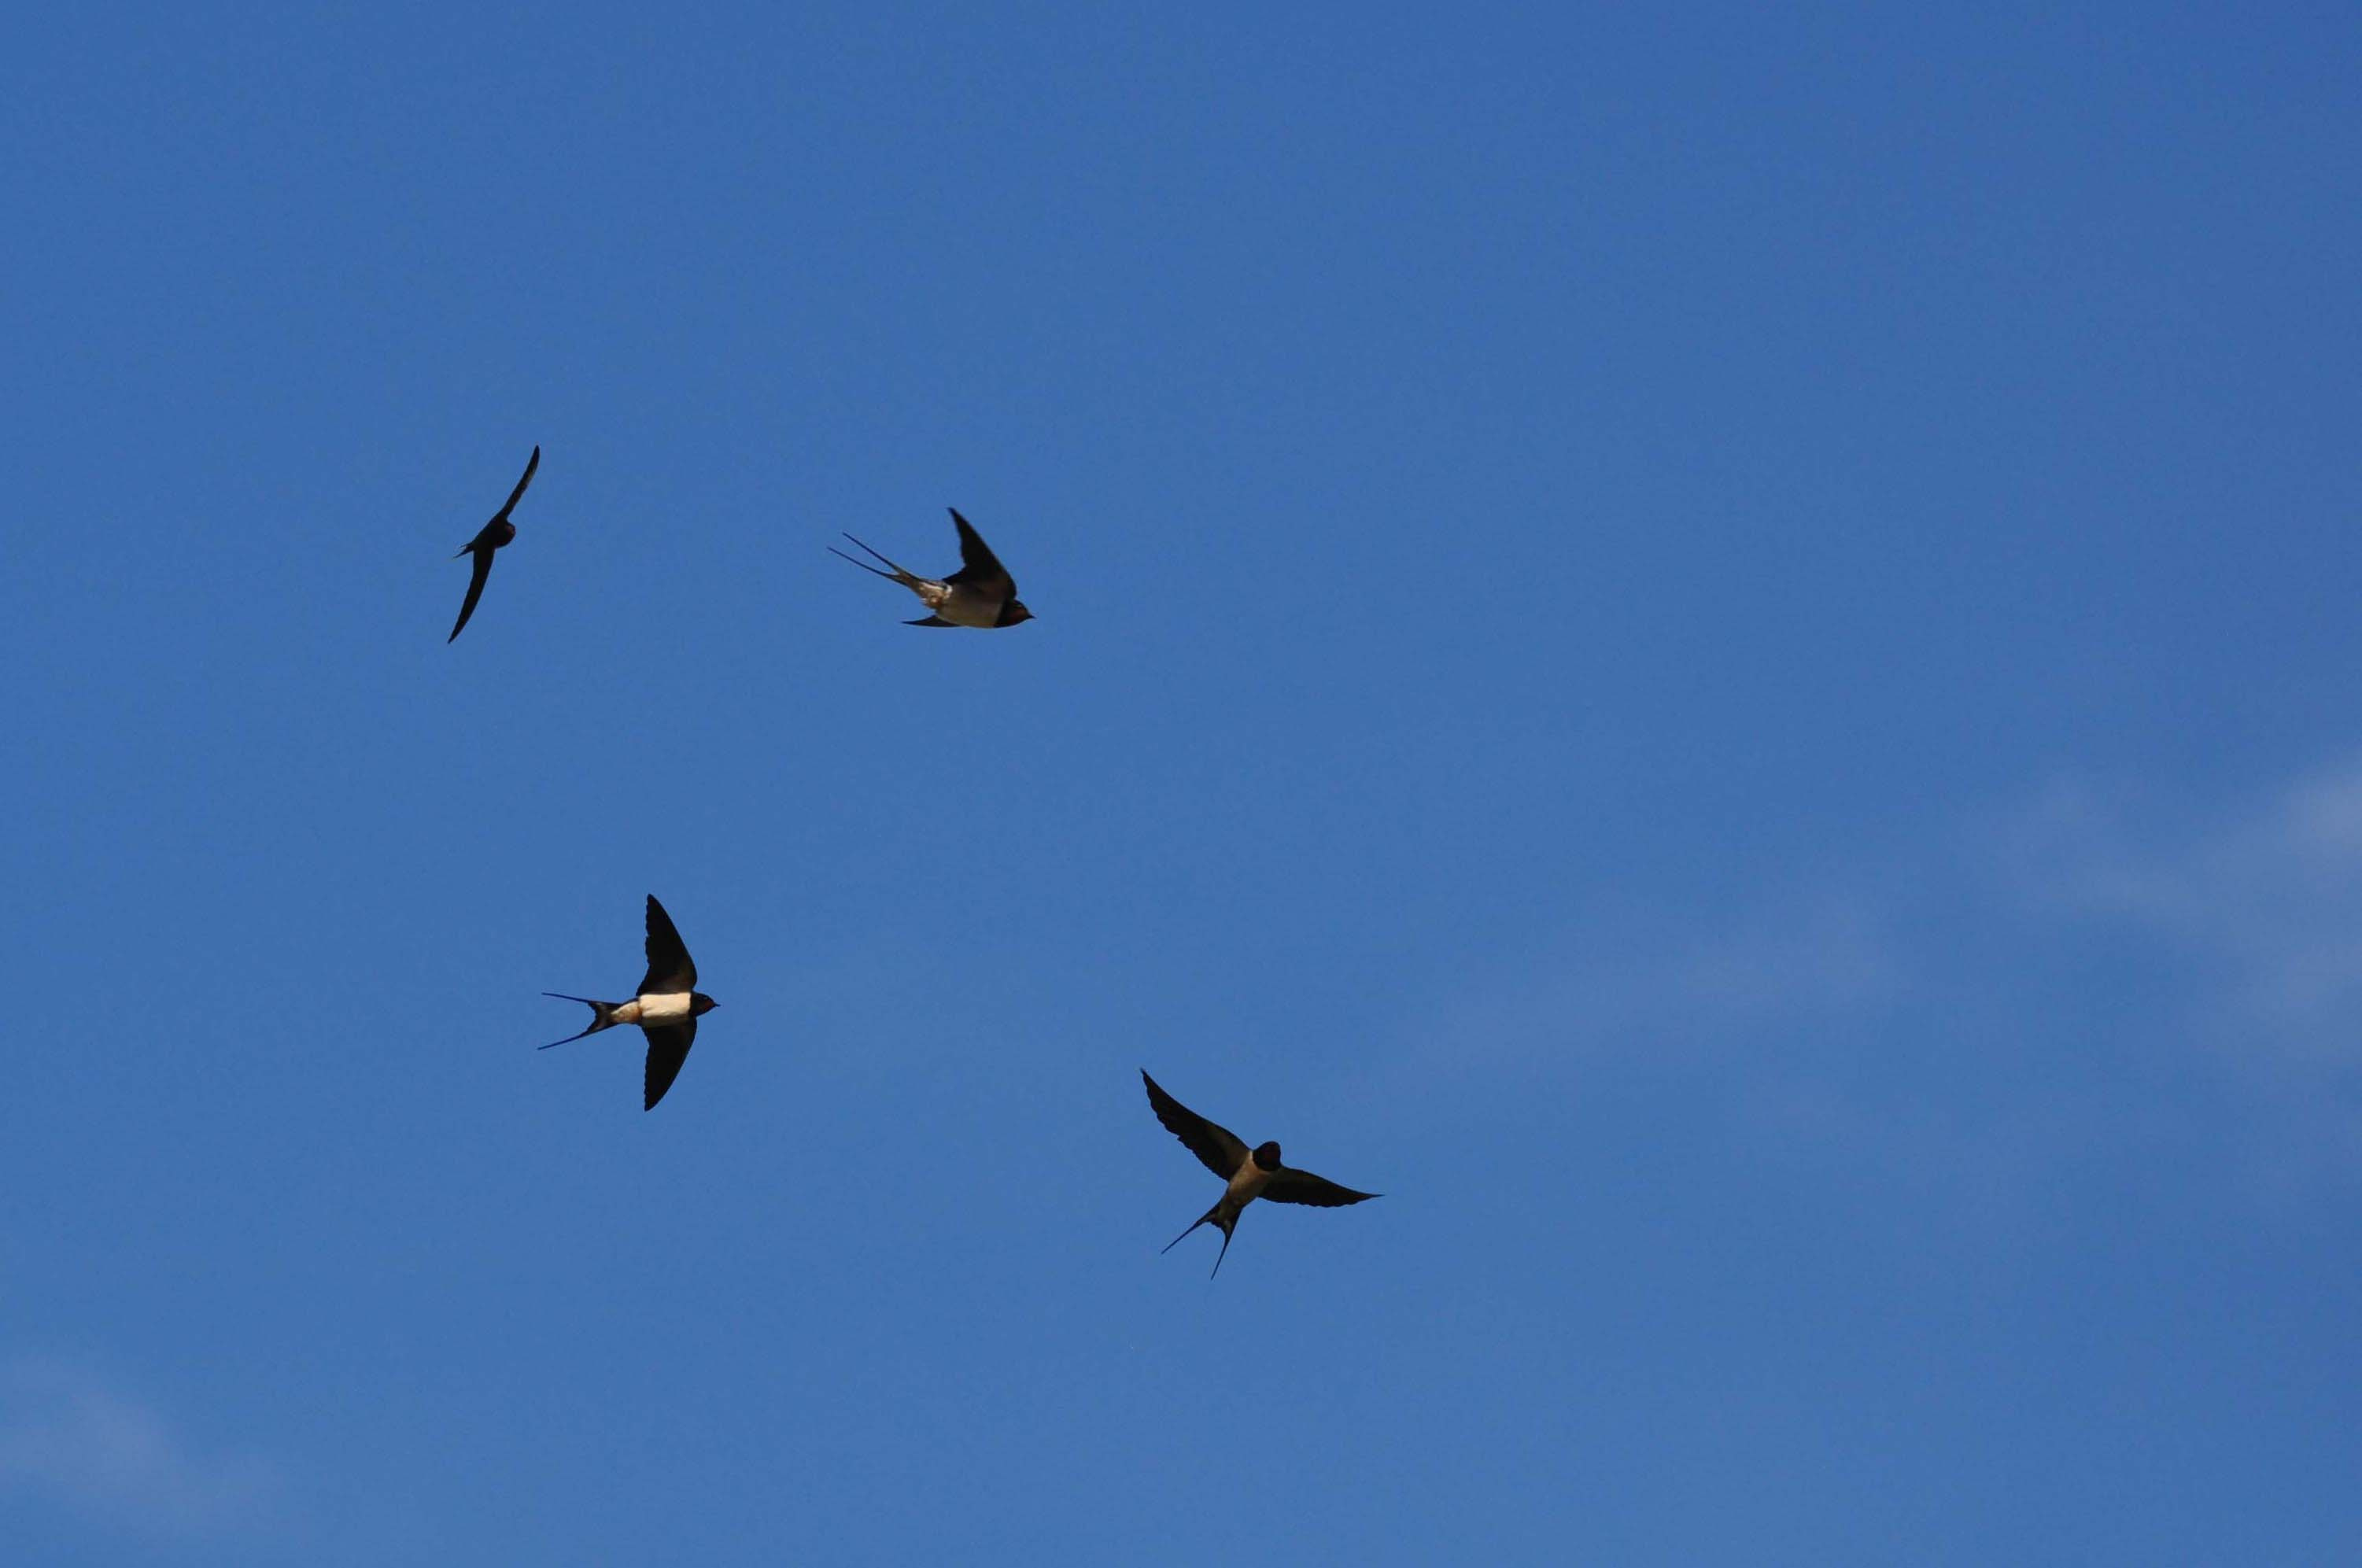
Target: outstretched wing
[[1288, 1185], [483, 569], [669, 969], [510, 504], [669, 1046], [979, 568], [1218, 1149]]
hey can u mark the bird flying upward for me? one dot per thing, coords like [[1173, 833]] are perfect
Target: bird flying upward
[[980, 594], [667, 1006], [489, 538], [1249, 1172]]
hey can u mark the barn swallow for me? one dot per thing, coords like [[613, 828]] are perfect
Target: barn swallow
[[1251, 1173], [491, 538], [665, 1008], [981, 593]]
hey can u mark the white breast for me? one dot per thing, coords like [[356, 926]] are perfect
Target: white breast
[[663, 1008]]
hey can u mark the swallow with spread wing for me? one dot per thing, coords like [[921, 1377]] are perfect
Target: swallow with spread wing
[[491, 538], [980, 594], [667, 1006], [1250, 1172]]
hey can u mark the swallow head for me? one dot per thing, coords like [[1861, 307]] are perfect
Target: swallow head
[[1015, 613], [1266, 1156], [504, 533], [700, 1002]]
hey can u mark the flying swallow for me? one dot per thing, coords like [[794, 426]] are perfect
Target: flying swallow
[[1250, 1172], [981, 593], [665, 1008], [491, 538]]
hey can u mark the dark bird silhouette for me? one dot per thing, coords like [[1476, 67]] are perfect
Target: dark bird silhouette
[[491, 538], [981, 593], [1250, 1172], [667, 1006]]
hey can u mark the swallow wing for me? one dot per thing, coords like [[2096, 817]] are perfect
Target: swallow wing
[[669, 969], [510, 504], [1218, 1149], [669, 1046], [979, 568], [483, 569], [1302, 1186]]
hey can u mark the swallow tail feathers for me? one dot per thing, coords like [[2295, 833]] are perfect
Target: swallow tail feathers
[[603, 1016], [1192, 1231], [899, 574], [1223, 1221]]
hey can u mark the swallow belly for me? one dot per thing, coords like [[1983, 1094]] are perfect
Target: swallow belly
[[660, 1008], [969, 610]]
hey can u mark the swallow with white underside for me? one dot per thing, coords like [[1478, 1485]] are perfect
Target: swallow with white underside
[[980, 594], [667, 1006], [1250, 1172], [491, 538]]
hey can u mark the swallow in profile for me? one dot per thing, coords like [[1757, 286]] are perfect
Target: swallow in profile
[[491, 538], [1250, 1172], [981, 593], [667, 1006]]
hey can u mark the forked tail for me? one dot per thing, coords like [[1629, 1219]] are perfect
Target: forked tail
[[603, 1016], [899, 574], [1211, 1217]]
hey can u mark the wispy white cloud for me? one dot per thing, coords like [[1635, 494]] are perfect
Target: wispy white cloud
[[1634, 981], [68, 1436], [2092, 973], [2263, 902], [2251, 913]]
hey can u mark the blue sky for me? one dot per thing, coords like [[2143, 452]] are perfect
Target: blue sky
[[1716, 649]]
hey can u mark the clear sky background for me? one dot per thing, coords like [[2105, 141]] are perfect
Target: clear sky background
[[1718, 650]]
